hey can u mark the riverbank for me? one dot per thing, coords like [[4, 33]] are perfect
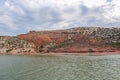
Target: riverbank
[[57, 54]]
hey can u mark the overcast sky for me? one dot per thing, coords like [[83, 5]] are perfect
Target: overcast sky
[[21, 16]]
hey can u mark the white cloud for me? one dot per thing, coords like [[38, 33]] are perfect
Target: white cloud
[[61, 3], [93, 3], [15, 8], [54, 3], [107, 14], [7, 20], [111, 11], [58, 14]]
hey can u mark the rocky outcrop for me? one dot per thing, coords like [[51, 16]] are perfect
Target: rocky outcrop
[[81, 39], [74, 40], [13, 45]]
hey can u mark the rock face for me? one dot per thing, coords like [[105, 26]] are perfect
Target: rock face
[[74, 40], [13, 45], [82, 39]]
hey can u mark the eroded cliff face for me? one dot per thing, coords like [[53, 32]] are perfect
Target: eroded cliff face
[[82, 39], [13, 45], [74, 40]]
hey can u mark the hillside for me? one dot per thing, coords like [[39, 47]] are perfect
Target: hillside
[[81, 39], [13, 45]]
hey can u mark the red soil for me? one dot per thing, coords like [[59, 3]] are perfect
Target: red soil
[[82, 43]]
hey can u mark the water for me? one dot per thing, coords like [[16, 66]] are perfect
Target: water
[[60, 67]]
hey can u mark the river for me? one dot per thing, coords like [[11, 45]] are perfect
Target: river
[[64, 67]]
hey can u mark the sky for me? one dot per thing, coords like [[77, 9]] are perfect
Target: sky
[[22, 16]]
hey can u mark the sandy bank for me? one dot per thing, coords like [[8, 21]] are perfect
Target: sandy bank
[[57, 54]]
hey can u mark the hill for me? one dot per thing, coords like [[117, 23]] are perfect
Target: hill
[[76, 40], [14, 45]]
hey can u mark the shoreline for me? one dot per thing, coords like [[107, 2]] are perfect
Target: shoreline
[[59, 54]]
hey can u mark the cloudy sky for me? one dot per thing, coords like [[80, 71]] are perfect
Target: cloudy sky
[[21, 16]]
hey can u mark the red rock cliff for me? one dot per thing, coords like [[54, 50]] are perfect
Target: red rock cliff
[[76, 39]]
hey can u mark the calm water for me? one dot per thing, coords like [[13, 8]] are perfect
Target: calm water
[[60, 67]]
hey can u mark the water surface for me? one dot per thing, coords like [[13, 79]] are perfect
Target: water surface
[[60, 67]]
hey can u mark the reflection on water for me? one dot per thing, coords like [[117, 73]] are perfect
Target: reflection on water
[[60, 67]]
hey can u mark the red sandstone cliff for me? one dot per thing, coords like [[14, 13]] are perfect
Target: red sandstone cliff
[[75, 40]]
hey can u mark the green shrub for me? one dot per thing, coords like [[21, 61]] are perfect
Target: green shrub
[[115, 44], [8, 50]]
